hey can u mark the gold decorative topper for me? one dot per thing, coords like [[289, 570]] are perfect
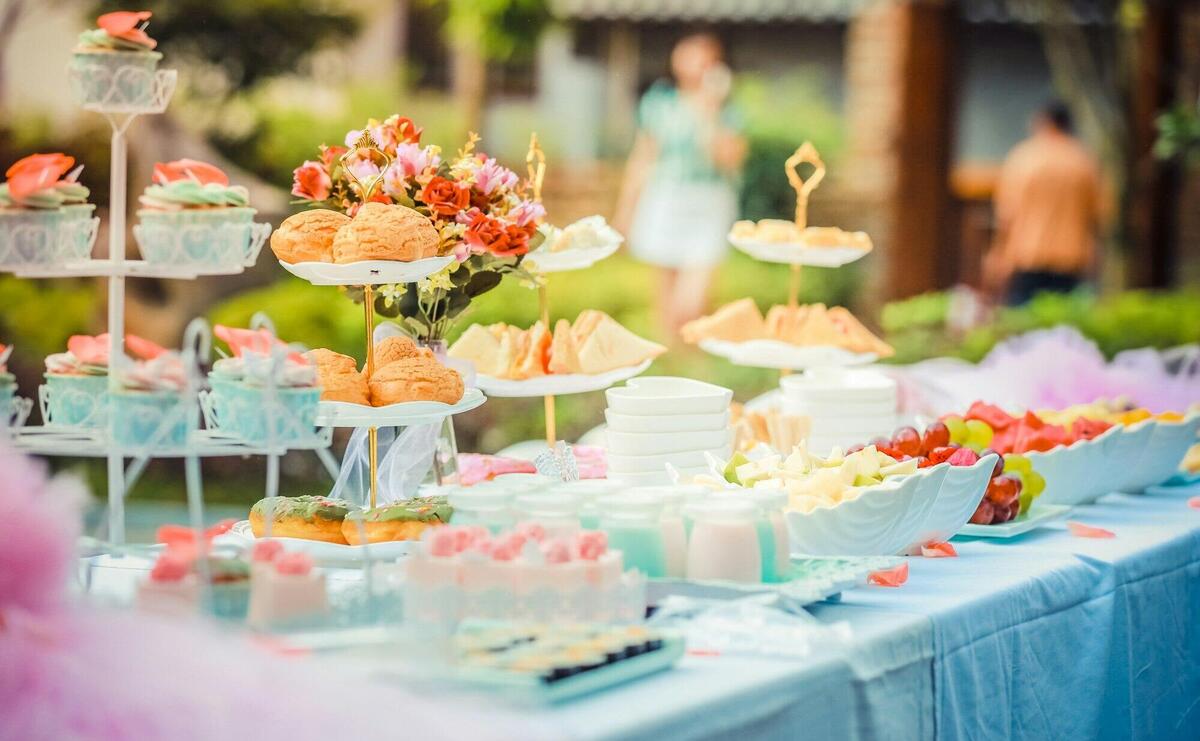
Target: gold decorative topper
[[365, 147], [537, 172], [805, 153]]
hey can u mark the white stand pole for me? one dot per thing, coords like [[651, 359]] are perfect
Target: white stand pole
[[116, 322]]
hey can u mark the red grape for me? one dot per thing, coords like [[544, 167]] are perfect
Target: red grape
[[881, 442], [937, 435], [963, 457], [1002, 491], [983, 513], [907, 441], [999, 463], [1003, 514]]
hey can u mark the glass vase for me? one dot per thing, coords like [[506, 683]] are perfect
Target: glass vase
[[444, 471]]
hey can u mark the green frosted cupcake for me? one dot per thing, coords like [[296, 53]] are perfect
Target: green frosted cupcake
[[191, 215], [114, 65]]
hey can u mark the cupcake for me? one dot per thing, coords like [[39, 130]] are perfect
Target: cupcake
[[191, 215], [76, 387], [8, 386], [115, 63], [44, 214], [241, 388], [149, 409]]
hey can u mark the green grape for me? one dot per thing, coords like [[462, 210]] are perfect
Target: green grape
[[1035, 483], [1026, 500], [958, 429], [979, 434], [1015, 462]]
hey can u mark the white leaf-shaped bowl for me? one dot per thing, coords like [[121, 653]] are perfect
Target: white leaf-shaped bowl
[[881, 521], [1169, 442], [1070, 471], [962, 488]]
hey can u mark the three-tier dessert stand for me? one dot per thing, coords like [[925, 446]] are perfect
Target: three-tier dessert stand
[[51, 439]]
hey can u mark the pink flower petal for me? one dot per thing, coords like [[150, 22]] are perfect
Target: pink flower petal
[[892, 577], [1194, 502], [1079, 530], [938, 550]]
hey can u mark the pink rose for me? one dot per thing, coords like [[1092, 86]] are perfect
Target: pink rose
[[490, 175], [311, 182], [527, 212]]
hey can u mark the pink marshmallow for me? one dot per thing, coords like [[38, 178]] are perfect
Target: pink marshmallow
[[296, 564], [266, 550]]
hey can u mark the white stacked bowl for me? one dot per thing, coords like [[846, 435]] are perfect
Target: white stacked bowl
[[846, 406], [660, 420]]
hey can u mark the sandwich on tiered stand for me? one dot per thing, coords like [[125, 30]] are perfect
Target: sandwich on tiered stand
[[590, 354], [97, 400]]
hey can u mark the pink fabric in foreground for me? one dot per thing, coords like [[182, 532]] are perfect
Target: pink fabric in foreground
[[72, 671]]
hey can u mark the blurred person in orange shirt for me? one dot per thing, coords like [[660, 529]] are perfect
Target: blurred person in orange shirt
[[1048, 210]]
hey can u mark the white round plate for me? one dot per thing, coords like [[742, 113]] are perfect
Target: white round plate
[[322, 551], [799, 254], [367, 272], [557, 385], [544, 261], [345, 414], [783, 355]]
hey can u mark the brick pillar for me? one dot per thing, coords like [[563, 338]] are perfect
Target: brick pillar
[[898, 115]]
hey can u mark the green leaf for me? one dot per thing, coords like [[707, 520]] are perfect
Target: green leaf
[[481, 283]]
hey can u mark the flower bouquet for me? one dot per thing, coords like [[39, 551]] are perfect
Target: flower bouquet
[[478, 207]]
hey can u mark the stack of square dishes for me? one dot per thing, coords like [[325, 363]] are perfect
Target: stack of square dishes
[[659, 420], [847, 407]]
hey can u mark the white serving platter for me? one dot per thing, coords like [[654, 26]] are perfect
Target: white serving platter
[[345, 414], [544, 261], [557, 385], [367, 272], [1038, 515], [784, 355], [791, 253]]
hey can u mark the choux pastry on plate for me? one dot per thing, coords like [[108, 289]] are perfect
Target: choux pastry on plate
[[385, 232], [415, 379], [308, 236]]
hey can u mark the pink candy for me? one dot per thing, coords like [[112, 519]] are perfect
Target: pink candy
[[295, 564], [266, 550], [443, 542], [556, 551], [591, 544], [531, 531], [171, 566]]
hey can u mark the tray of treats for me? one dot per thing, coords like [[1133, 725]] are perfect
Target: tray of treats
[[789, 337], [776, 240], [574, 247], [810, 580], [334, 530], [381, 244], [589, 354], [407, 385], [542, 664]]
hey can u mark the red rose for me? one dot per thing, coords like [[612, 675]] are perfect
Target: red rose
[[485, 234], [518, 241], [311, 182], [330, 156], [408, 131], [445, 197]]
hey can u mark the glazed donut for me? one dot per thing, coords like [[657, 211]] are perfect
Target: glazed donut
[[307, 517], [404, 520]]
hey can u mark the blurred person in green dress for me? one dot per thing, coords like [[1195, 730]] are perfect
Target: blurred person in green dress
[[678, 198]]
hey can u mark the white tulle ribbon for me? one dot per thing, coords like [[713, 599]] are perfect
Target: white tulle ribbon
[[404, 461]]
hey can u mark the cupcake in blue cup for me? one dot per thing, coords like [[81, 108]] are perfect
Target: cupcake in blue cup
[[76, 390], [32, 213], [191, 215], [114, 64], [149, 408], [266, 390], [8, 387]]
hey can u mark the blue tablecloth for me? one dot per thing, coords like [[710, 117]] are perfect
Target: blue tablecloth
[[1042, 636]]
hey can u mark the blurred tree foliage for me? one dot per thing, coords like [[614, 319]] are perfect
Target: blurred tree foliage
[[502, 30], [246, 41], [1179, 134], [918, 327]]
